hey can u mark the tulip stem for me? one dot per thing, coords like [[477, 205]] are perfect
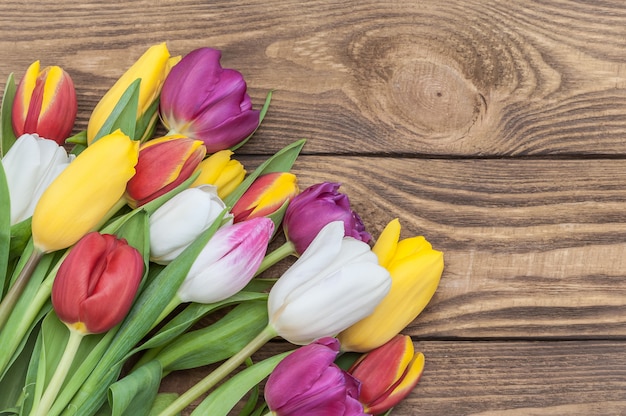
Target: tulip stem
[[53, 388], [219, 373], [9, 301], [275, 256]]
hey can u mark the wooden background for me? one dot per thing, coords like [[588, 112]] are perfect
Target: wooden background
[[497, 129]]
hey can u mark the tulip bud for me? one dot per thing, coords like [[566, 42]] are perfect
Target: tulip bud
[[267, 194], [307, 382], [228, 262], [152, 68], [388, 374], [30, 166], [96, 283], [220, 171], [336, 282], [164, 163], [315, 207], [415, 270], [45, 103], [179, 221], [81, 197], [203, 101]]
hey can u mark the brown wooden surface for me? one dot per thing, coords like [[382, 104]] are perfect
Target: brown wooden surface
[[497, 129]]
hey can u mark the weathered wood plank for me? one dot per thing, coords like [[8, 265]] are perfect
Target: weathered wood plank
[[465, 78], [502, 378], [533, 248]]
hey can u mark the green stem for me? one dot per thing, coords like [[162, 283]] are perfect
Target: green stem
[[59, 375], [219, 373], [277, 255], [9, 301], [168, 309]]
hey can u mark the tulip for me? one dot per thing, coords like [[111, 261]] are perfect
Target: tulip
[[96, 283], [415, 270], [164, 163], [221, 171], [203, 101], [179, 221], [388, 374], [307, 382], [30, 166], [336, 282], [315, 207], [82, 197], [45, 103], [267, 194], [228, 262], [92, 292], [152, 68]]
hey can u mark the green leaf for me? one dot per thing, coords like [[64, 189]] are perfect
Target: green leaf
[[147, 122], [5, 229], [192, 314], [139, 321], [262, 113], [131, 395], [79, 138], [124, 114], [7, 136], [282, 161], [163, 400], [12, 384], [215, 342], [228, 394], [20, 235]]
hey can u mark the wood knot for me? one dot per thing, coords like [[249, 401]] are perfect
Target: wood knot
[[433, 97]]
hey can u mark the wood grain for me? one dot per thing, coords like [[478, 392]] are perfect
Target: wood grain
[[504, 378], [497, 129], [467, 78]]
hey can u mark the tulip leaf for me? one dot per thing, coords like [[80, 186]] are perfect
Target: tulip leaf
[[131, 395], [7, 136], [282, 161], [147, 122], [192, 314], [5, 229], [229, 393], [79, 138], [215, 342], [124, 114], [262, 113], [13, 382], [139, 321], [20, 235]]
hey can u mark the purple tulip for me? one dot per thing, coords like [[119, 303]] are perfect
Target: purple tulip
[[203, 101], [317, 206], [307, 382]]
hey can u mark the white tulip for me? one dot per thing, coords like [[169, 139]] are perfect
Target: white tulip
[[178, 222], [30, 165], [336, 282]]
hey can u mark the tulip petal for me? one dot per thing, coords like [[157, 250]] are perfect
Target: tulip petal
[[387, 242]]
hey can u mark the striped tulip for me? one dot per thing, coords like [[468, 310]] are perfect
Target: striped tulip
[[164, 163], [415, 270], [388, 374], [220, 171], [228, 262], [45, 103], [267, 194], [82, 197]]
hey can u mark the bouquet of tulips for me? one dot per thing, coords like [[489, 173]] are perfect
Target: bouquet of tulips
[[115, 246]]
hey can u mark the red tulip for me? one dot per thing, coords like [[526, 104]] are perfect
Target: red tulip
[[96, 283], [45, 103], [388, 374], [267, 194], [163, 164]]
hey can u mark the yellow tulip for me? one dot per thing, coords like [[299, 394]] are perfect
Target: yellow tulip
[[152, 67], [80, 198], [415, 270], [220, 171]]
